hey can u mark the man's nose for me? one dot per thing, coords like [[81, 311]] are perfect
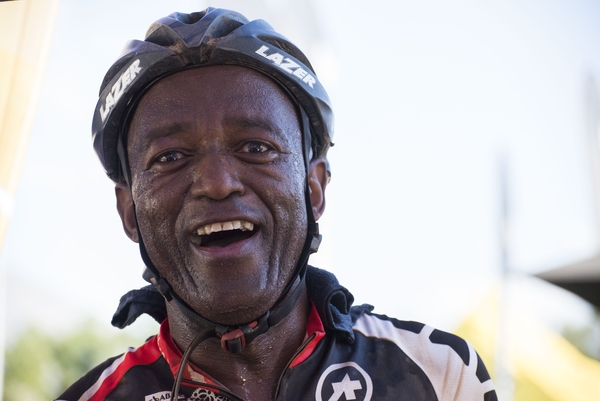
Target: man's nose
[[216, 177]]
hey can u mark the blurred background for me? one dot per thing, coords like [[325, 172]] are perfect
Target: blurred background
[[465, 190]]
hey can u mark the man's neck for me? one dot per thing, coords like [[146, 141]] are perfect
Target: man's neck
[[254, 372]]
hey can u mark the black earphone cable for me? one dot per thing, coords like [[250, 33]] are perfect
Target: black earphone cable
[[202, 336]]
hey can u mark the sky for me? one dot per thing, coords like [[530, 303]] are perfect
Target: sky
[[428, 97]]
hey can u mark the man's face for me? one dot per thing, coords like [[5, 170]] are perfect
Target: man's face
[[219, 149]]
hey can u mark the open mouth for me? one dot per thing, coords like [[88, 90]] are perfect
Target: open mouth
[[224, 234]]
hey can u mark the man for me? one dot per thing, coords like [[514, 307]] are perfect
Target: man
[[216, 131]]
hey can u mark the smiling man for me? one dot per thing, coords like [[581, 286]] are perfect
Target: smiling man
[[216, 131]]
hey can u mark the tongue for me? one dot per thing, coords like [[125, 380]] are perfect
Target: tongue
[[225, 238]]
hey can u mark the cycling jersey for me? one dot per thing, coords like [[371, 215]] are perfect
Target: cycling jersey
[[349, 354]]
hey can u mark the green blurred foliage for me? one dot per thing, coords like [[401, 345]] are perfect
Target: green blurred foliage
[[40, 367]]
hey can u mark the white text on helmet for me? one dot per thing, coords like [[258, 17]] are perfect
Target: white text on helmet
[[119, 87], [287, 65]]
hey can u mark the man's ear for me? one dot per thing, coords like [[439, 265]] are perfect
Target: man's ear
[[318, 178], [125, 208]]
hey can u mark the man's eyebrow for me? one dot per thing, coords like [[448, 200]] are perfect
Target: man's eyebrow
[[156, 133], [255, 122], [162, 131]]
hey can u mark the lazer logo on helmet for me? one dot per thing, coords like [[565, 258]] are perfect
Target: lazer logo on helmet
[[119, 87], [287, 65]]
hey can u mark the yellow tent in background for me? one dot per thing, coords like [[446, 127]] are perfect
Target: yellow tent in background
[[26, 28], [543, 365]]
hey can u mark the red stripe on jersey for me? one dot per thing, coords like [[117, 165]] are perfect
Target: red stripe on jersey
[[172, 355], [314, 325], [146, 354]]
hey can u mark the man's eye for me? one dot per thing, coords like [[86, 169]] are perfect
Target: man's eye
[[168, 157], [258, 152], [255, 147]]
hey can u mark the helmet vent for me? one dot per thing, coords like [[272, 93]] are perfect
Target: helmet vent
[[223, 27], [189, 19], [163, 35]]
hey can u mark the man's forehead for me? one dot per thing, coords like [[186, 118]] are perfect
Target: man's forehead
[[236, 96], [216, 84], [206, 77]]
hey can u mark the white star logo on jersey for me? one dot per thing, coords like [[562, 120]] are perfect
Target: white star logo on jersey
[[346, 387], [355, 384]]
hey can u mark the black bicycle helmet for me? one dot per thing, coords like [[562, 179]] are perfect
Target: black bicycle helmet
[[211, 37]]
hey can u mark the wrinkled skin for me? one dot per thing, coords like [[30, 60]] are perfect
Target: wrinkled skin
[[217, 144]]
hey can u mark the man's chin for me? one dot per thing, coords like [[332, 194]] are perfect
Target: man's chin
[[223, 313]]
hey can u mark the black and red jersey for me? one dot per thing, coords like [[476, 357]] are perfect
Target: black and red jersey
[[349, 354]]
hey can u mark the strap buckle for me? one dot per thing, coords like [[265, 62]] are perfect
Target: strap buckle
[[234, 340]]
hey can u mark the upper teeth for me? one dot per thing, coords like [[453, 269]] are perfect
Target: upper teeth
[[226, 226]]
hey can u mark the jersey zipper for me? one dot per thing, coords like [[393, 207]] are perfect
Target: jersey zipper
[[298, 352]]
